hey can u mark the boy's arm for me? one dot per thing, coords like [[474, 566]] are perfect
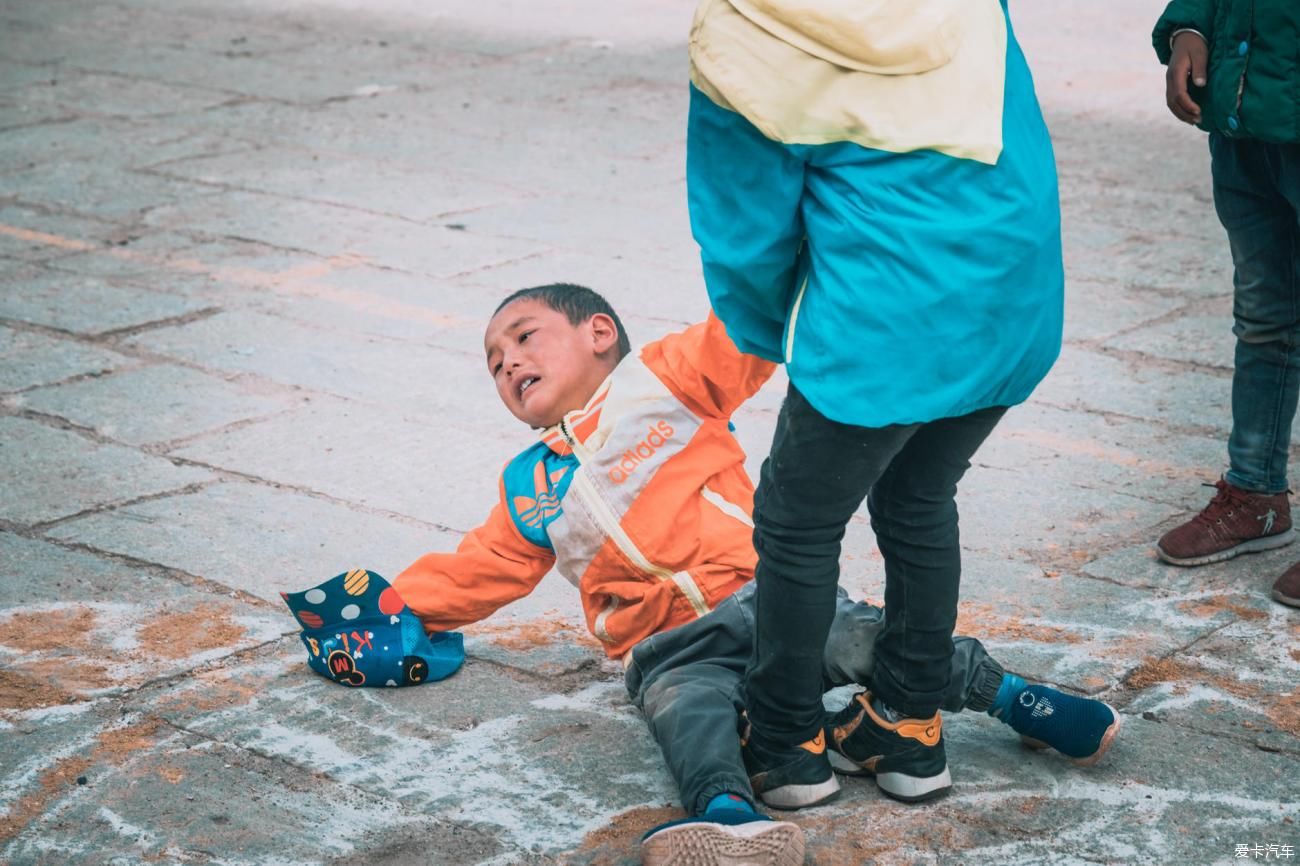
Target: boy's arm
[[493, 566], [704, 369], [1195, 15], [1182, 41], [744, 193]]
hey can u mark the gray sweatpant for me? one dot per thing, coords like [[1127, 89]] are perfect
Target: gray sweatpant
[[688, 680]]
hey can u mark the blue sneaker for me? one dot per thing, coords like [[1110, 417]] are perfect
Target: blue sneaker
[[1082, 729], [724, 837]]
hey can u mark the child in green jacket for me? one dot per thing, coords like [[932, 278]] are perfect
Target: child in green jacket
[[1234, 70]]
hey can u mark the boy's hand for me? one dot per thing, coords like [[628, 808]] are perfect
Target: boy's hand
[[1189, 59]]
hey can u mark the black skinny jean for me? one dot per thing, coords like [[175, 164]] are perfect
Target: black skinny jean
[[815, 478]]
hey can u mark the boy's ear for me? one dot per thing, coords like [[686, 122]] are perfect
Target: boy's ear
[[604, 333]]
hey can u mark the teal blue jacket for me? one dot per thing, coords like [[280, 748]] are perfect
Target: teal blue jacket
[[897, 287]]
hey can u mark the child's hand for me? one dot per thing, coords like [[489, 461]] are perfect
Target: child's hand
[[1189, 60]]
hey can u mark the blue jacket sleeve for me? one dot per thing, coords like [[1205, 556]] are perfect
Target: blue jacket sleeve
[[744, 192]]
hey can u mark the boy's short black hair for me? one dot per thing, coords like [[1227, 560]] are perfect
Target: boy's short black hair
[[577, 303]]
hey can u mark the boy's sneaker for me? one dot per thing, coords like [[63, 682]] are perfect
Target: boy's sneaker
[[724, 838], [1236, 521], [792, 777], [905, 755], [1286, 588], [1082, 729]]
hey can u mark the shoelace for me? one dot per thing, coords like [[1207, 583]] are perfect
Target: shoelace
[[1227, 497]]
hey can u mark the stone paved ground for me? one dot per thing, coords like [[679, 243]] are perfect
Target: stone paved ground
[[246, 253]]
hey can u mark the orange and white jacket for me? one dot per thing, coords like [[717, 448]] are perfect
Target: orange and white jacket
[[640, 499]]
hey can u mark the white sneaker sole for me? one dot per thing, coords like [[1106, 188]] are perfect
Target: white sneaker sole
[[762, 843], [900, 786], [844, 766], [1255, 545], [790, 797], [914, 789]]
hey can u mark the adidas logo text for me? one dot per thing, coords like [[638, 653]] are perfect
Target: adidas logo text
[[656, 438]]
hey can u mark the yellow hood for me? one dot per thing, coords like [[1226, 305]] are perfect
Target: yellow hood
[[919, 75], [882, 36]]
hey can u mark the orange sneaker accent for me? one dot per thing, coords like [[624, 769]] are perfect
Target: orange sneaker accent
[[844, 731], [816, 745], [925, 731]]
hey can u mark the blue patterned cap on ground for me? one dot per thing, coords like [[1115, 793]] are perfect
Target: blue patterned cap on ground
[[359, 632]]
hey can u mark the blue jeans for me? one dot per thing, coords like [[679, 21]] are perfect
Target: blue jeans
[[1257, 197]]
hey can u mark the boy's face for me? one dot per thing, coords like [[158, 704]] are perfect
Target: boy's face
[[544, 366]]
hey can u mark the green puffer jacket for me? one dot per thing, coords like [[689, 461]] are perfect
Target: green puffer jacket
[[1254, 76]]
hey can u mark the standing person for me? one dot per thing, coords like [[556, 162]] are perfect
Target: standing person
[[874, 193], [1234, 71]]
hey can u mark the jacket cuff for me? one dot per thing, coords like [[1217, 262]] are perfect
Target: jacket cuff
[[1162, 37], [1181, 30]]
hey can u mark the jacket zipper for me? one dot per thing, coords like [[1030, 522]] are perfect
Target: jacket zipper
[[609, 522], [794, 321]]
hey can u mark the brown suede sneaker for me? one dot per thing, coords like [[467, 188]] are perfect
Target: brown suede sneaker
[[1236, 521], [1287, 587]]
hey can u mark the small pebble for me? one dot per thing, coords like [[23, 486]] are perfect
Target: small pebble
[[81, 780]]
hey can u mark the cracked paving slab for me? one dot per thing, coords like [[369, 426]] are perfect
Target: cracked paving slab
[[327, 229], [154, 404], [226, 272], [1204, 338], [1239, 683], [1137, 565], [1129, 455], [350, 451], [29, 359], [326, 360], [1098, 308], [351, 295], [447, 751], [537, 157], [1053, 625], [255, 538], [100, 95], [56, 473], [154, 793], [35, 234], [1173, 397], [417, 193], [106, 191], [76, 627], [264, 540], [85, 305], [142, 142]]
